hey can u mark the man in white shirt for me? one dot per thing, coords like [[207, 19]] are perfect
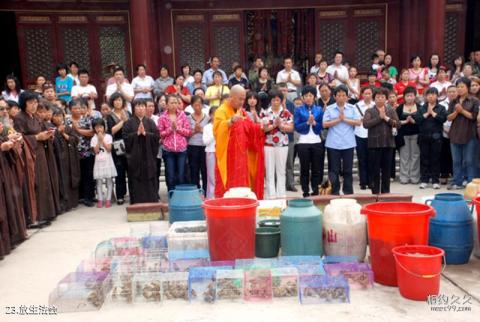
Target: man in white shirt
[[361, 137], [207, 79], [120, 86], [446, 160], [441, 84], [143, 84], [316, 68], [84, 89], [291, 77], [337, 70]]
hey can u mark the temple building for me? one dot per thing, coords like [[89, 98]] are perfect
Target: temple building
[[95, 33]]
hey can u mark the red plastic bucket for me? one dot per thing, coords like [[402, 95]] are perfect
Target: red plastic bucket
[[476, 202], [418, 270], [393, 224], [231, 228]]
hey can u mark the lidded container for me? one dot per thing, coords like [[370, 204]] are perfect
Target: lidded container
[[202, 283], [344, 229], [175, 286], [185, 203], [358, 275], [256, 263], [80, 292], [229, 285], [285, 282], [147, 287], [324, 289], [452, 227], [187, 235], [301, 229], [258, 285]]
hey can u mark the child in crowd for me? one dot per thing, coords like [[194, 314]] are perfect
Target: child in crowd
[[104, 167], [209, 141], [105, 110]]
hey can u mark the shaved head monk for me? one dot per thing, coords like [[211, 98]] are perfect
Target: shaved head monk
[[239, 147]]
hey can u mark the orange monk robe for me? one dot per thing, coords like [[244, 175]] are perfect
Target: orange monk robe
[[239, 152]]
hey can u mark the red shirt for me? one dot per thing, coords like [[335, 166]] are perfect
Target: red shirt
[[377, 84], [367, 84], [173, 90], [400, 88]]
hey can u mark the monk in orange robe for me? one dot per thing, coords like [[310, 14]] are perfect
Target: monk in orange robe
[[239, 147]]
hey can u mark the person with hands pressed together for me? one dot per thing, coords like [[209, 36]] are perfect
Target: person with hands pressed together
[[104, 168], [291, 77], [430, 139], [277, 122], [216, 91], [178, 89], [30, 127], [196, 148], [463, 112], [239, 147], [122, 87], [308, 123], [381, 122], [407, 140], [341, 118], [175, 130], [361, 137], [338, 71], [141, 137]]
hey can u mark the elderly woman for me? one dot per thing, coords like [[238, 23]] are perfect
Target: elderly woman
[[141, 144], [38, 141]]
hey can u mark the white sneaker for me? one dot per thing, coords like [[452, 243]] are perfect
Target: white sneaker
[[436, 186], [423, 185]]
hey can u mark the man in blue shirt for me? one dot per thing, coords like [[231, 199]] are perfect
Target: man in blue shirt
[[207, 79], [63, 84], [341, 118]]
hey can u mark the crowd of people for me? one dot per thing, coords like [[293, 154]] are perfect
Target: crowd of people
[[59, 149]]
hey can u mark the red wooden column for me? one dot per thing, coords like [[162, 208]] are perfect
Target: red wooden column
[[435, 20], [142, 34]]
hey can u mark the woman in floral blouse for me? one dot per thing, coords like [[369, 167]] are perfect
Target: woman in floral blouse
[[81, 123], [174, 129], [277, 122]]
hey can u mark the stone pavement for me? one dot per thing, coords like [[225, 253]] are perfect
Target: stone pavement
[[32, 270]]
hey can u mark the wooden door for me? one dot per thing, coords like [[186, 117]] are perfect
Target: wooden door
[[202, 35], [91, 40]]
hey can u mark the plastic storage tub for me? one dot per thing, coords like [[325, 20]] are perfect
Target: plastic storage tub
[[80, 292], [285, 282], [258, 285], [187, 235], [358, 275], [175, 286], [324, 289], [229, 285], [147, 287]]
